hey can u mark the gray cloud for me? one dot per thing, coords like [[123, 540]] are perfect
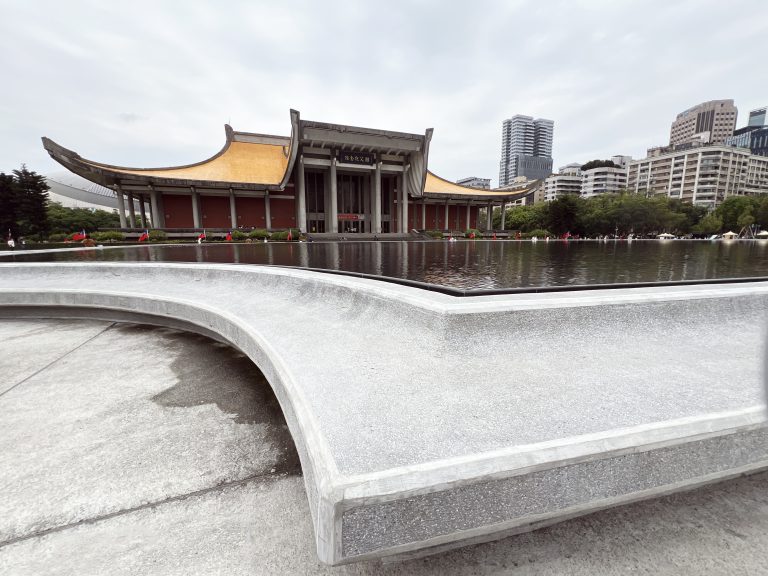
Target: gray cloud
[[147, 83]]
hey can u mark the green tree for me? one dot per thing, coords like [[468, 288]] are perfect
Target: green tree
[[564, 215], [710, 224], [31, 202], [598, 164], [745, 219], [731, 209], [67, 220], [8, 206]]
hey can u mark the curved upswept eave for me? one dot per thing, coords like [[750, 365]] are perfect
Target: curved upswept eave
[[434, 184], [252, 161]]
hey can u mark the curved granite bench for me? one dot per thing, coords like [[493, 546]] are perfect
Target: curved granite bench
[[424, 421]]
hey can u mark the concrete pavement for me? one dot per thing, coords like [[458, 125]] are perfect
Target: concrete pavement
[[126, 449]]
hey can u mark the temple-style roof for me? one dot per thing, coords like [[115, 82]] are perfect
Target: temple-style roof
[[256, 162], [437, 185], [247, 160], [241, 162]]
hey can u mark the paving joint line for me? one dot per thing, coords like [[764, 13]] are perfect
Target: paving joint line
[[147, 506], [52, 362]]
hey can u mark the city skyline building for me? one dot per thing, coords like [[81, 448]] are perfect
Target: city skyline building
[[526, 148], [754, 135], [706, 123], [703, 175], [757, 117]]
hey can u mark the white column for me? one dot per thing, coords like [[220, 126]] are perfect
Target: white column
[[467, 227], [153, 203], [423, 215], [232, 208], [131, 211], [334, 216], [143, 211], [489, 217], [267, 211], [377, 199], [447, 212], [503, 214], [120, 206], [406, 227], [195, 208], [301, 197]]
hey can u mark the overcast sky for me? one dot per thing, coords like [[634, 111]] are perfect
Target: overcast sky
[[152, 83]]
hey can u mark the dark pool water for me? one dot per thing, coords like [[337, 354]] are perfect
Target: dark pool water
[[472, 264]]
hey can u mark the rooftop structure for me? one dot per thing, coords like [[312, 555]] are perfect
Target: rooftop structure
[[757, 117], [322, 178], [709, 123]]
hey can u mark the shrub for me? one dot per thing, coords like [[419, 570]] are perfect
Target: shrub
[[282, 236], [435, 234], [57, 237], [111, 236], [239, 235], [538, 233], [157, 236], [472, 233], [258, 234]]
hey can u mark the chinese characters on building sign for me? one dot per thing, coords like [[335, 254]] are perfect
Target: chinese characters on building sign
[[346, 157]]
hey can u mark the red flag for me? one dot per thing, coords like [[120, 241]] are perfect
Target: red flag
[[290, 236], [201, 236], [79, 236], [229, 236], [144, 236]]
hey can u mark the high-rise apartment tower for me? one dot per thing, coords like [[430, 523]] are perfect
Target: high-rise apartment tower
[[526, 148]]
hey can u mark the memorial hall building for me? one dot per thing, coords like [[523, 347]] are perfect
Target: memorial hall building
[[323, 178]]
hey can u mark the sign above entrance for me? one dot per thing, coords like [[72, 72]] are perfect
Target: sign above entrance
[[351, 216], [347, 157]]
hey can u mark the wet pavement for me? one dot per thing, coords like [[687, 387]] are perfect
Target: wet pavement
[[128, 449]]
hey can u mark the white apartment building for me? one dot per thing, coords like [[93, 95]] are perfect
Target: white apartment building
[[566, 181], [604, 180], [705, 175], [571, 179], [708, 123]]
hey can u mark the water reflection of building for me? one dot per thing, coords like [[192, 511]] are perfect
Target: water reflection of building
[[321, 178]]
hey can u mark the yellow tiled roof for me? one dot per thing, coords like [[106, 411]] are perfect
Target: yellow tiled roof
[[241, 163], [437, 185]]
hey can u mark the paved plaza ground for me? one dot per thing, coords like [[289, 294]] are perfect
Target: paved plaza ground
[[129, 449]]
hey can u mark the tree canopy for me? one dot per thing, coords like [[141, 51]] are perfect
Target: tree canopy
[[24, 203], [598, 164], [605, 214], [26, 211]]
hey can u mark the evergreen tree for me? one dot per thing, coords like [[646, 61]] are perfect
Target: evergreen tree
[[32, 202], [7, 206]]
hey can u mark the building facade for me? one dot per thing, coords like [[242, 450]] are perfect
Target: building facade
[[754, 135], [566, 181], [526, 148], [707, 123], [605, 180], [705, 176], [757, 117], [323, 178]]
